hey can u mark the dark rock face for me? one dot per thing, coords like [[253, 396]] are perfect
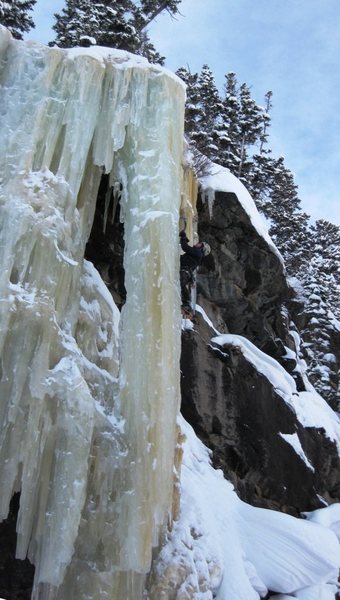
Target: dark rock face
[[16, 576], [233, 408], [105, 247], [242, 278], [236, 412]]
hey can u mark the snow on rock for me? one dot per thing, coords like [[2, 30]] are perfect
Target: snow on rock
[[222, 180], [293, 440], [89, 399], [223, 548], [310, 408]]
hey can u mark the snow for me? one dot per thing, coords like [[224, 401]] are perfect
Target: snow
[[187, 325], [222, 180], [310, 408], [232, 551], [122, 59], [328, 517], [293, 440], [202, 312]]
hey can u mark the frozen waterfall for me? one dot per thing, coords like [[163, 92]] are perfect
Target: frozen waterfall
[[88, 422]]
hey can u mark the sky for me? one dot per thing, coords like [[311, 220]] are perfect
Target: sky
[[291, 47]]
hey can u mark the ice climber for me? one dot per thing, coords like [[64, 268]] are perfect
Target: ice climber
[[190, 260]]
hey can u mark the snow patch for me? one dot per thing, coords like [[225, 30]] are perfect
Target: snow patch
[[293, 440], [222, 180]]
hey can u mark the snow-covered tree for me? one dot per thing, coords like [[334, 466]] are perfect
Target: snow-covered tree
[[266, 119], [192, 106], [318, 288], [86, 22], [230, 134], [326, 261], [145, 11], [208, 116], [14, 14], [279, 202], [251, 128], [113, 23]]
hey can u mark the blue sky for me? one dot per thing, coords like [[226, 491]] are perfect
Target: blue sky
[[291, 47]]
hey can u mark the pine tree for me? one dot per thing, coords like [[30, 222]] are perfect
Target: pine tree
[[251, 129], [230, 131], [289, 226], [326, 262], [113, 23], [14, 15], [266, 119], [192, 106], [208, 117], [87, 22], [150, 9], [320, 278]]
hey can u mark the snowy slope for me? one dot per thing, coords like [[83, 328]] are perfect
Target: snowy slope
[[226, 549]]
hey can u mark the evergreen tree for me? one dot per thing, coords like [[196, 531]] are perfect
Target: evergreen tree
[[150, 9], [280, 203], [208, 116], [14, 14], [192, 106], [200, 162], [113, 23], [230, 133], [320, 278], [86, 22], [325, 265], [251, 129], [266, 119]]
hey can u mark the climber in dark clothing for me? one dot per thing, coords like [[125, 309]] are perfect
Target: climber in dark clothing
[[189, 262]]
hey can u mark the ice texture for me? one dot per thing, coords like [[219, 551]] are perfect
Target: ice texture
[[88, 399]]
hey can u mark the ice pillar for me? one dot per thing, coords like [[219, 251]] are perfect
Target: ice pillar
[[150, 166], [92, 453]]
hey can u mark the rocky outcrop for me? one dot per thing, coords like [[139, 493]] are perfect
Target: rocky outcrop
[[237, 412], [243, 280], [235, 409]]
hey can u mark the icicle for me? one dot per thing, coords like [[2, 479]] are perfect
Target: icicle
[[95, 482], [208, 195]]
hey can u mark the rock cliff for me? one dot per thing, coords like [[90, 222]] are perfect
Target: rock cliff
[[234, 408]]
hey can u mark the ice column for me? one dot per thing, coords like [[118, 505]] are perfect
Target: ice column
[[91, 450], [150, 168]]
